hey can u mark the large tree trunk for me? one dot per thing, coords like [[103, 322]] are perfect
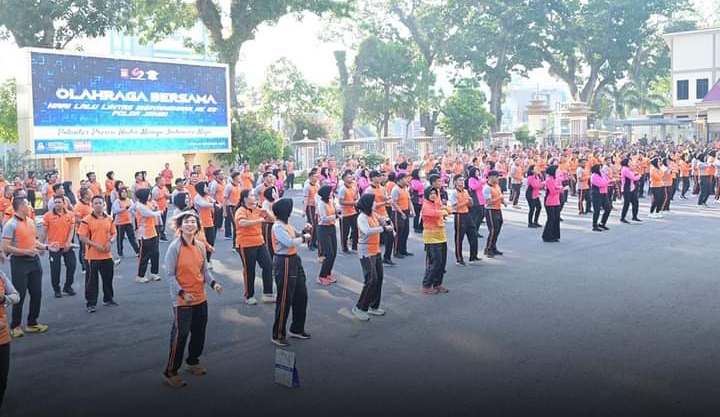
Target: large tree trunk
[[496, 87]]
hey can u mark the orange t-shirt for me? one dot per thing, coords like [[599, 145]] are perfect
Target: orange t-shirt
[[58, 226], [124, 216], [25, 233], [249, 236], [379, 198], [99, 230], [188, 273]]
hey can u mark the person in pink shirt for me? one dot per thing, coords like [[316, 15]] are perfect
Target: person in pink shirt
[[417, 190], [532, 195], [600, 200], [475, 184], [628, 179], [363, 180], [553, 190]]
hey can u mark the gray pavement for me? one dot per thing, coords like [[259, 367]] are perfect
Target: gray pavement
[[622, 322]]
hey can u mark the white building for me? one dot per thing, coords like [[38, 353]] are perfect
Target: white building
[[695, 71]]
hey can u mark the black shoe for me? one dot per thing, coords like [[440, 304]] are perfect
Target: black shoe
[[635, 219], [475, 259], [624, 221], [312, 248], [531, 226], [346, 252], [561, 219], [301, 335], [480, 236], [489, 254], [389, 262], [280, 342], [69, 291], [58, 294], [602, 226], [408, 254], [596, 229], [538, 225], [91, 309], [110, 303], [399, 256], [497, 252]]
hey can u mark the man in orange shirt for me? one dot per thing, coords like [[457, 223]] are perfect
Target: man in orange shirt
[[59, 228], [82, 210], [97, 232], [347, 196], [19, 240], [94, 186]]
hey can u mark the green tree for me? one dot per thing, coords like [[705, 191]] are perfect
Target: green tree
[[349, 87], [252, 140], [464, 119], [590, 44], [315, 128], [56, 23], [243, 18], [522, 135], [8, 112], [494, 39], [286, 93], [389, 75]]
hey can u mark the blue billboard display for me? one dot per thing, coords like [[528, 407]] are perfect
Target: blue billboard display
[[91, 105]]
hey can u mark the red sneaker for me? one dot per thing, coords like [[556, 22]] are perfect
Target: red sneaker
[[323, 281], [440, 289], [429, 291], [331, 279]]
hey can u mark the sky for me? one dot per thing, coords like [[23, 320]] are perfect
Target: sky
[[297, 41]]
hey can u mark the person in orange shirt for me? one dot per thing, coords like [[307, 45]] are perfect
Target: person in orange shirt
[[347, 196], [19, 240], [148, 216], [97, 232], [290, 174], [123, 213], [657, 189], [371, 227], [161, 196], [402, 212], [8, 296], [82, 210], [251, 247], [59, 228], [216, 188], [94, 186], [205, 205], [231, 200], [684, 176], [187, 274], [109, 188], [460, 202], [247, 177]]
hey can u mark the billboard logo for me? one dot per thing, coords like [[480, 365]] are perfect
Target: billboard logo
[[139, 74], [82, 146]]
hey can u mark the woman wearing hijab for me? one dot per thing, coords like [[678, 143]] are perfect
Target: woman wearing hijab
[[124, 213], [370, 228], [289, 275], [475, 185], [532, 195], [657, 189], [435, 239], [599, 196], [628, 187], [148, 217], [327, 235], [205, 206], [553, 192], [271, 195], [417, 189], [187, 274]]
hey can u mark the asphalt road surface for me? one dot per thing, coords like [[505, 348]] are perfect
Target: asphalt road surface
[[623, 322]]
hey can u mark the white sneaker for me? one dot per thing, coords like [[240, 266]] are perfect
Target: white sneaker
[[155, 277], [116, 262], [376, 311], [652, 216], [361, 315], [142, 280], [250, 301], [659, 216], [268, 298]]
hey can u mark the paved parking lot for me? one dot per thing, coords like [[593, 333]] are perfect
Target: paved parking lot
[[620, 322]]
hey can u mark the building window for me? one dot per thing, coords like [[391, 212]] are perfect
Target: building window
[[682, 90], [701, 88]]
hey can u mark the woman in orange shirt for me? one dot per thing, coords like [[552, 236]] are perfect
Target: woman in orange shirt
[[205, 206], [657, 189], [251, 247], [187, 274], [109, 188], [684, 176]]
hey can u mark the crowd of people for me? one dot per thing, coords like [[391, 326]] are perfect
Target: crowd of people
[[370, 210]]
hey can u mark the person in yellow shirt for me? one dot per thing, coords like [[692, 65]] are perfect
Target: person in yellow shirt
[[433, 215]]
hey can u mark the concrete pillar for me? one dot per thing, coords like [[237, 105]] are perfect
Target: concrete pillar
[[71, 171], [538, 113]]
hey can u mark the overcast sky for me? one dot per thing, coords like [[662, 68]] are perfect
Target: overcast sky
[[296, 41]]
